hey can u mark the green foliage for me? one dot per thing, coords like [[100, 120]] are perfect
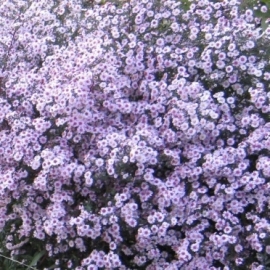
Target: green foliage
[[256, 6], [11, 263], [36, 258], [185, 4]]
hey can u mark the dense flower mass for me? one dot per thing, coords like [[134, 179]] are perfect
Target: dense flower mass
[[135, 135]]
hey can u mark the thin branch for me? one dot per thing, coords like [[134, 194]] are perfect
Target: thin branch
[[18, 262]]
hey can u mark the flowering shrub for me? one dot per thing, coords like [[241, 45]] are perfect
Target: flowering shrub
[[135, 135]]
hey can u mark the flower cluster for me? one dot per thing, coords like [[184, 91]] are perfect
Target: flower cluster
[[135, 134]]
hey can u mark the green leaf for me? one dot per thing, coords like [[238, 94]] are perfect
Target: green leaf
[[264, 25], [185, 4], [36, 258], [52, 267], [266, 2], [88, 206]]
